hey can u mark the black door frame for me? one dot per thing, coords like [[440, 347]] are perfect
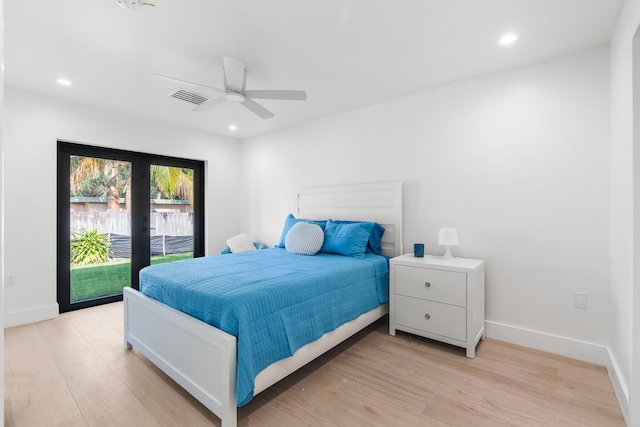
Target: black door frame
[[140, 208]]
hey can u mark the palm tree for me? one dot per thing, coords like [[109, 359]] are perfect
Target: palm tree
[[173, 182], [82, 168], [170, 182]]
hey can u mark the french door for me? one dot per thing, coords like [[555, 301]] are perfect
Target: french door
[[118, 212]]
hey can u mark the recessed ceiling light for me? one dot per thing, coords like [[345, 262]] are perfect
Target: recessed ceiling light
[[63, 82], [233, 127], [508, 39]]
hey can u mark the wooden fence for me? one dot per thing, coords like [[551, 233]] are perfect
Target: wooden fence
[[162, 223], [171, 232]]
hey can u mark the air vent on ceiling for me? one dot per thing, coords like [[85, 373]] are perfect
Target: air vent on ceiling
[[190, 97]]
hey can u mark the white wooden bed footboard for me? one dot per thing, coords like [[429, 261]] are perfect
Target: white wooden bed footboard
[[202, 358], [199, 357]]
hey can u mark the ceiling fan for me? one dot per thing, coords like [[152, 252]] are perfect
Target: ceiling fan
[[235, 80]]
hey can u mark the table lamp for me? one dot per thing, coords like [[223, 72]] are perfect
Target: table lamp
[[448, 237]]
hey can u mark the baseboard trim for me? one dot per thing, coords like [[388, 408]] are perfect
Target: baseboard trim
[[37, 314], [567, 347], [563, 346], [619, 386]]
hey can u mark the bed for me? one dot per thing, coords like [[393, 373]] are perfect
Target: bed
[[214, 369]]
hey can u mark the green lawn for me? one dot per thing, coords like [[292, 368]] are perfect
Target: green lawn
[[98, 280]]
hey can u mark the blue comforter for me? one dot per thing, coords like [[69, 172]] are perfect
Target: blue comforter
[[273, 301]]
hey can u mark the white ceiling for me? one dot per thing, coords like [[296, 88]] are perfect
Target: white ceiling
[[346, 54]]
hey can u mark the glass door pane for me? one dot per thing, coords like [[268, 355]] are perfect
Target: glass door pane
[[100, 227], [119, 202], [171, 213]]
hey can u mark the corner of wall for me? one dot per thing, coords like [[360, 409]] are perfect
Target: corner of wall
[[567, 347], [619, 386]]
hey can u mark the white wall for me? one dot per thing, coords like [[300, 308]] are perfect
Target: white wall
[[1, 214], [517, 161], [625, 214], [33, 124]]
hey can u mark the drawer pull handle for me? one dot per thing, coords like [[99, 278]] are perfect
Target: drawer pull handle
[[427, 316], [427, 285]]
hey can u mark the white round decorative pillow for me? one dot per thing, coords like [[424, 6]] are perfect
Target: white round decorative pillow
[[304, 239]]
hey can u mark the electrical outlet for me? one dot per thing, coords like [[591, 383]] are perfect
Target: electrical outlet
[[9, 280], [580, 300]]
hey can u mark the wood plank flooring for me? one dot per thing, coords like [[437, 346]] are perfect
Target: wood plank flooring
[[74, 371]]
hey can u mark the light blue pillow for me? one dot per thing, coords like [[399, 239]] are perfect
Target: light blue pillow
[[304, 239], [348, 239], [289, 222]]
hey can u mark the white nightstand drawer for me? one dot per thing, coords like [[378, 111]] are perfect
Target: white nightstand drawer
[[435, 285], [436, 318]]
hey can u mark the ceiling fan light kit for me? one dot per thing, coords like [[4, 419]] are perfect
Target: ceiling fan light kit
[[234, 97], [234, 81]]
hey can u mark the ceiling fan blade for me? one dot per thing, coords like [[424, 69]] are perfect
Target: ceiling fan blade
[[286, 95], [257, 109], [171, 79], [234, 74], [209, 104]]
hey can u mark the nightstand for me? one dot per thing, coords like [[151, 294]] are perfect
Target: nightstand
[[438, 299]]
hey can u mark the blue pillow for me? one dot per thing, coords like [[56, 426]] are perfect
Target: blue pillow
[[289, 222], [375, 239], [374, 245], [258, 245], [346, 239]]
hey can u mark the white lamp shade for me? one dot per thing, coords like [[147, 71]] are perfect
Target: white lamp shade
[[448, 237]]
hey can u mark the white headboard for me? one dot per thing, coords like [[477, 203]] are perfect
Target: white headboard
[[381, 203]]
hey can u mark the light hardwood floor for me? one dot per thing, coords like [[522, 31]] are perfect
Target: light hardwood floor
[[74, 371]]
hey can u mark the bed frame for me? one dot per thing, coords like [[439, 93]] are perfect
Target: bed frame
[[208, 370]]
